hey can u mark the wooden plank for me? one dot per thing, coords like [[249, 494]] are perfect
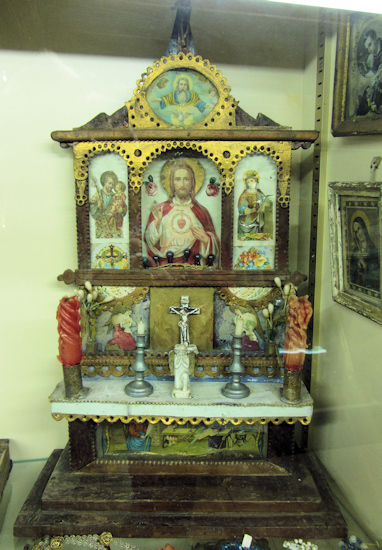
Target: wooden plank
[[209, 493], [82, 446], [179, 277], [32, 504], [235, 134], [177, 467], [228, 526], [326, 522]]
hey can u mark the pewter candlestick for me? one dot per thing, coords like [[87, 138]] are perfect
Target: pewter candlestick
[[139, 387], [236, 389]]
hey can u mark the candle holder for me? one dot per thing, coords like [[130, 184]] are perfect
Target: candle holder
[[139, 387], [291, 391], [236, 389], [73, 382]]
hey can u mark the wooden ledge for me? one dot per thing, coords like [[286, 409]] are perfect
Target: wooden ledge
[[304, 138], [179, 277]]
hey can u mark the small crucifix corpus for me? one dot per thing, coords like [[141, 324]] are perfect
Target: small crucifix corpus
[[184, 311]]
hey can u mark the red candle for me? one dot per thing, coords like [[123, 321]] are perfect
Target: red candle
[[69, 329], [298, 316]]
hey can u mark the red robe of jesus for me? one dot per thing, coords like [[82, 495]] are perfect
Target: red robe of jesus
[[174, 233]]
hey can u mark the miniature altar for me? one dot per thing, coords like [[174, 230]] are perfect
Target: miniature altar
[[183, 345]]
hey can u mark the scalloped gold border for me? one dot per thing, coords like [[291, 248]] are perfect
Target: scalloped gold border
[[214, 364], [226, 156], [230, 299], [135, 297], [223, 115], [167, 420]]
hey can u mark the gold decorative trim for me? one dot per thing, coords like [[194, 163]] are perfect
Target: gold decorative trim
[[135, 297], [212, 364], [222, 115], [231, 299], [226, 155], [168, 420], [80, 195]]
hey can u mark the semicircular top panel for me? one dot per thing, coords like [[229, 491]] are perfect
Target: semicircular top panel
[[182, 91]]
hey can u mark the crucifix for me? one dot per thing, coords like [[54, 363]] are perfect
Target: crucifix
[[115, 256], [184, 310]]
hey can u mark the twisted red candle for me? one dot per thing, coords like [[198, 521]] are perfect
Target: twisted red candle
[[299, 313], [69, 329]]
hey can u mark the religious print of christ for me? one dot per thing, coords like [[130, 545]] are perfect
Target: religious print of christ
[[181, 213], [182, 97]]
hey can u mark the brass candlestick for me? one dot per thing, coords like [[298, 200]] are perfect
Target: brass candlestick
[[139, 387], [236, 389], [73, 382], [291, 391]]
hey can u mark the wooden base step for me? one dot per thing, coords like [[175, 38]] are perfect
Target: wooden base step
[[298, 504]]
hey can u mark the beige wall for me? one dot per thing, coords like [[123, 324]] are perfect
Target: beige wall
[[347, 379]]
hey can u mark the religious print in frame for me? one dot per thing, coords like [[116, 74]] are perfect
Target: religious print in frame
[[357, 105], [120, 441], [182, 97], [108, 212], [181, 212], [254, 218], [355, 224]]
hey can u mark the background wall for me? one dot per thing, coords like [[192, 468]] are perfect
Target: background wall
[[346, 433]]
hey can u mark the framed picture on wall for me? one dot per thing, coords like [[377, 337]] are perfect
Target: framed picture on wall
[[357, 102], [355, 240]]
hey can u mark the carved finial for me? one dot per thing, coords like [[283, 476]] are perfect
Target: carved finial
[[375, 162], [68, 277], [181, 40]]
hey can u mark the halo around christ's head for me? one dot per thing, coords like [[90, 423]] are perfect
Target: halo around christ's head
[[195, 166], [182, 76]]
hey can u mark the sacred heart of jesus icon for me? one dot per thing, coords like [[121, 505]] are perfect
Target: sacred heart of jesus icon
[[181, 223]]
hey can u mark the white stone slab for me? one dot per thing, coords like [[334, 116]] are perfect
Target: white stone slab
[[108, 398]]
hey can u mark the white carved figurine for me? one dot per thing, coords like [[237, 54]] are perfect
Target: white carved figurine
[[182, 370]]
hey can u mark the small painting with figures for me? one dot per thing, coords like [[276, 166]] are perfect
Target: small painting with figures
[[255, 199], [357, 106], [356, 245], [216, 442], [182, 97], [108, 207]]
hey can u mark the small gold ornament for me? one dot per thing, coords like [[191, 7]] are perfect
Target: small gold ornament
[[105, 538], [56, 543]]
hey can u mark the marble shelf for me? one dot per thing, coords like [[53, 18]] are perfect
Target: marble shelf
[[107, 400]]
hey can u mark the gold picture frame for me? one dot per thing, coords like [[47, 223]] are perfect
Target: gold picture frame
[[357, 101], [356, 245], [182, 91]]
